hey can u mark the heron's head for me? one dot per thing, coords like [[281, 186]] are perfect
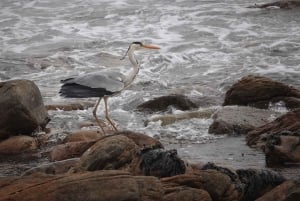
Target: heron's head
[[139, 46]]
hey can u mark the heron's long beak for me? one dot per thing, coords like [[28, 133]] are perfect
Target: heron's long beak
[[151, 46]]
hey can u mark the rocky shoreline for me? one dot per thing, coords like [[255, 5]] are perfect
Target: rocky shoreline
[[125, 165]]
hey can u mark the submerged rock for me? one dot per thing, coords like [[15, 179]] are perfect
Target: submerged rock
[[238, 120], [163, 103], [22, 110], [259, 91], [172, 118]]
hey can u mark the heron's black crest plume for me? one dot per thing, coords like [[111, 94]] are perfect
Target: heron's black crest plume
[[137, 43]]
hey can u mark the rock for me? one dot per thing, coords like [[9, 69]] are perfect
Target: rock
[[172, 118], [163, 103], [161, 163], [141, 140], [258, 92], [217, 184], [249, 183], [186, 194], [26, 112], [111, 152], [254, 183], [287, 191], [88, 186], [288, 122], [57, 167], [84, 135], [282, 148], [239, 119], [69, 107], [19, 145], [69, 150]]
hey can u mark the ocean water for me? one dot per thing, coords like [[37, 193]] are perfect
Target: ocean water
[[206, 46]]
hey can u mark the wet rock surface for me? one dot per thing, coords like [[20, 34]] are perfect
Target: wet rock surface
[[259, 91], [236, 120], [22, 110]]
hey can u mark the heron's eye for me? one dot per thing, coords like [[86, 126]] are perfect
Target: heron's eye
[[137, 43]]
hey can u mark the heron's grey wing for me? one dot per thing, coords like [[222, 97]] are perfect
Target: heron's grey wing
[[111, 81]]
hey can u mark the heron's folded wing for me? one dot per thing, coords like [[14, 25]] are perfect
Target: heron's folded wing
[[110, 81]]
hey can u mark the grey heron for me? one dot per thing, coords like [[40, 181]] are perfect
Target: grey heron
[[103, 84]]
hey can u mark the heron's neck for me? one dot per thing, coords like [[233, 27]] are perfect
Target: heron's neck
[[131, 75]]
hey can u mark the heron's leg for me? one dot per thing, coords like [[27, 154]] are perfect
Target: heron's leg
[[95, 114], [106, 113]]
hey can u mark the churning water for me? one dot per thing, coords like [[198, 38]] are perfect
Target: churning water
[[206, 45]]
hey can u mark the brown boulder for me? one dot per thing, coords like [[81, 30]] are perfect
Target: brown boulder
[[69, 150], [288, 122], [142, 140], [181, 193], [259, 91], [111, 152], [85, 135], [22, 110], [282, 148], [287, 191], [88, 186], [19, 145], [218, 185], [180, 102]]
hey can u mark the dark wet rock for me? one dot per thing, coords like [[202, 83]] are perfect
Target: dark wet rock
[[161, 163], [236, 120], [111, 152], [69, 150], [249, 183], [281, 4], [87, 186], [288, 122], [163, 103], [182, 193], [57, 167], [287, 191], [259, 92], [19, 145], [218, 185], [22, 110], [255, 183], [282, 148]]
